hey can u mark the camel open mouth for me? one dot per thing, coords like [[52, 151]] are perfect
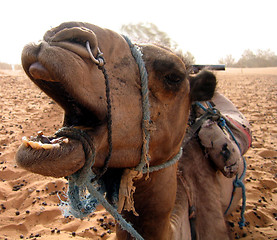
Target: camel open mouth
[[54, 155], [69, 67]]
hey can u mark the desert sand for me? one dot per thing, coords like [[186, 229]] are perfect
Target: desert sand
[[29, 202]]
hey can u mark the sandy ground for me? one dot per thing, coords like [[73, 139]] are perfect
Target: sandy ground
[[28, 202]]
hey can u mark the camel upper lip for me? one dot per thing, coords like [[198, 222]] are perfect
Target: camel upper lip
[[75, 113]]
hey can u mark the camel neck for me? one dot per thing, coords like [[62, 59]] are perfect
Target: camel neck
[[154, 201]]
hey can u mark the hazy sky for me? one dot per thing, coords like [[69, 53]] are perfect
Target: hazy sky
[[209, 29]]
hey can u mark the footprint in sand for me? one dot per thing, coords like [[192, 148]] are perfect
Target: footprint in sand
[[268, 153]]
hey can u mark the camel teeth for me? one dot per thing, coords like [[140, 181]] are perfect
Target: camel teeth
[[56, 140], [56, 145], [25, 141], [47, 146], [40, 133], [35, 145], [60, 140]]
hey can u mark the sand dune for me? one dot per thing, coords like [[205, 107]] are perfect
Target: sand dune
[[28, 202]]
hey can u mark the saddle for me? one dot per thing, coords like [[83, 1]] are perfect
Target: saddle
[[224, 133]]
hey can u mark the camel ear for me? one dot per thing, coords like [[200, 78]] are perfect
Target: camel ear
[[202, 86]]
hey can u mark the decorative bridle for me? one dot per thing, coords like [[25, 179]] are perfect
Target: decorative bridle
[[80, 203]]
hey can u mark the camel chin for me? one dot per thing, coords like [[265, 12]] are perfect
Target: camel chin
[[50, 156]]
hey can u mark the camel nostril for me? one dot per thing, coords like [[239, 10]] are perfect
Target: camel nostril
[[38, 71]]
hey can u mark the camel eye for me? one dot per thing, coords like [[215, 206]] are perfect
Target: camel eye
[[173, 79]]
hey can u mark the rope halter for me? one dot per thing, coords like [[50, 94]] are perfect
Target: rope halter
[[84, 193]]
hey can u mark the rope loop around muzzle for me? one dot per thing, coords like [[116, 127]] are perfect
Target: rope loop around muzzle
[[83, 195], [80, 204], [84, 138]]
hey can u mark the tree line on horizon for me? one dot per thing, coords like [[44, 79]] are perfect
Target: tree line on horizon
[[145, 32], [149, 33], [250, 59]]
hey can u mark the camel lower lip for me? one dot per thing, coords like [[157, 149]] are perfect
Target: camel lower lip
[[59, 158]]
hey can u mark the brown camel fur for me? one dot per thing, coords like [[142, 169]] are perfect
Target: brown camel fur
[[60, 65]]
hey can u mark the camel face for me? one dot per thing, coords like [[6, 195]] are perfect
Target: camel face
[[60, 65]]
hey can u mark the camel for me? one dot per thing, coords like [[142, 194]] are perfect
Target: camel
[[91, 73]]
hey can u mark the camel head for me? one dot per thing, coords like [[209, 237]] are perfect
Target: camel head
[[61, 66]]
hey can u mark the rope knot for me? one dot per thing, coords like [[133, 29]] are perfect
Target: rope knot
[[101, 61], [149, 125]]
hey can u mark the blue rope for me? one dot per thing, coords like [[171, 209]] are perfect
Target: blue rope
[[238, 182], [146, 121], [201, 106], [113, 211], [164, 165], [222, 124], [84, 196]]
